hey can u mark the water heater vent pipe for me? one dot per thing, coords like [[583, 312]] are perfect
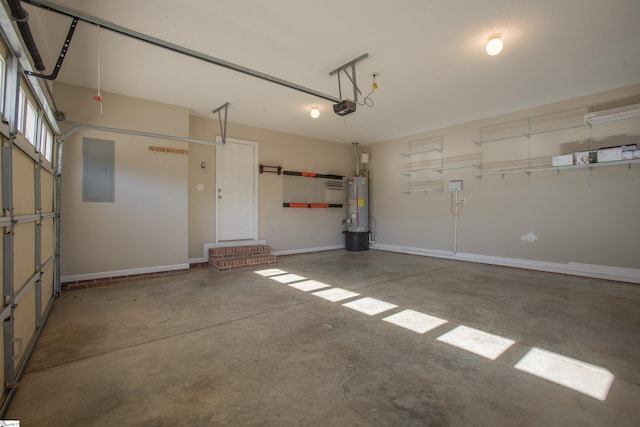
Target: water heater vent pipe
[[355, 152]]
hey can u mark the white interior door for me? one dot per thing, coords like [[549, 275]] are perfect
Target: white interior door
[[236, 191]]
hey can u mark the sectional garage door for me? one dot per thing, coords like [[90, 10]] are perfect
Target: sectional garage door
[[27, 220]]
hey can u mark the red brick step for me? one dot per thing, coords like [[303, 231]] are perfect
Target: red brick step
[[236, 257]]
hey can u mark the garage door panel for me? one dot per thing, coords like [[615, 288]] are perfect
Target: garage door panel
[[24, 324], [46, 289], [24, 252], [47, 240], [47, 186], [23, 183]]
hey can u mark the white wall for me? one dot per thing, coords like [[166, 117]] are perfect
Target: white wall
[[573, 223], [160, 220], [146, 228], [285, 229]]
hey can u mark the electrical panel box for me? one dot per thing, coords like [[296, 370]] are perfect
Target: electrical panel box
[[98, 175], [455, 186]]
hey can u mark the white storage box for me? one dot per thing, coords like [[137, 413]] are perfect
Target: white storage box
[[609, 155], [563, 160], [636, 154], [628, 155], [585, 157]]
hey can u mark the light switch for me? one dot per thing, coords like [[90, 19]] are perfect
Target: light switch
[[199, 187]]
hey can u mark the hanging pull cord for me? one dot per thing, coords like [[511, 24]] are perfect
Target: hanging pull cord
[[98, 97]]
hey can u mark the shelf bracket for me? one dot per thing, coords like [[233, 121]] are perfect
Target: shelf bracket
[[270, 169]]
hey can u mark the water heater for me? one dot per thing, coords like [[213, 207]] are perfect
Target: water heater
[[358, 204], [357, 234]]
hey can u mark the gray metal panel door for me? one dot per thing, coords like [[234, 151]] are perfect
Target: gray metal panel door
[[98, 174]]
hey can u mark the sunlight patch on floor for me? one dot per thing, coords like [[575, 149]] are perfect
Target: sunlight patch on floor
[[287, 278], [309, 285], [575, 374], [336, 294], [369, 306], [270, 272], [415, 321], [478, 342]]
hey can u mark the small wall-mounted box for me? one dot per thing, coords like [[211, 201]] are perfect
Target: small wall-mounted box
[[562, 160], [455, 186]]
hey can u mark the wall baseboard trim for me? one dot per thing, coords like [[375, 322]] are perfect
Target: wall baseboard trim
[[307, 250], [123, 273], [619, 274]]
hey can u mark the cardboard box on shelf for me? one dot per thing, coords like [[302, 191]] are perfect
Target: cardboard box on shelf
[[629, 147], [609, 155], [585, 157], [562, 160]]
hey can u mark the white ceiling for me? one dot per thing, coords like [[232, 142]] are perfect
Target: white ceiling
[[433, 70]]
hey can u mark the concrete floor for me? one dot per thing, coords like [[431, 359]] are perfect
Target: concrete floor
[[240, 349]]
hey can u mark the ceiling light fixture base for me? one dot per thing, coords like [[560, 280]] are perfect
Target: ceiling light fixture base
[[494, 45]]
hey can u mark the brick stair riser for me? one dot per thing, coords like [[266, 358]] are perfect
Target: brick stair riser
[[239, 251], [246, 261], [238, 263], [237, 257], [214, 259]]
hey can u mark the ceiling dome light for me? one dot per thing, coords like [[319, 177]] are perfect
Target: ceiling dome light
[[494, 46], [315, 112]]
